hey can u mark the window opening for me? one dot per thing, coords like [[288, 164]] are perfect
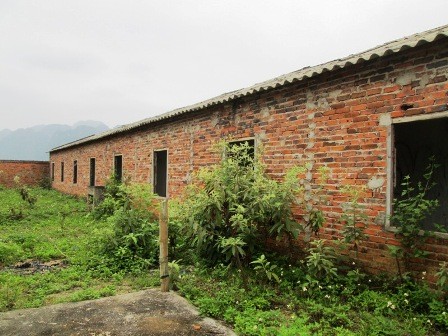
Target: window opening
[[249, 145], [118, 167], [92, 172], [415, 142], [62, 171], [160, 172], [52, 171], [75, 171]]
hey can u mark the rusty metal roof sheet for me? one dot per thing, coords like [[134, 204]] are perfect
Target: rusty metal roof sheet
[[299, 75]]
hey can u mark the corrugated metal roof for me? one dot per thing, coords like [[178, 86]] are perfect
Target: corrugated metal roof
[[299, 75]]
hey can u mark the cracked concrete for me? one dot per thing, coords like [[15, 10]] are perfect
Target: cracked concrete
[[144, 313]]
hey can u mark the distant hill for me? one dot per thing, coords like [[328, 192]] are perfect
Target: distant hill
[[34, 143]]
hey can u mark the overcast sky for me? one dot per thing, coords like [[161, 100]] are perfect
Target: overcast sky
[[120, 61]]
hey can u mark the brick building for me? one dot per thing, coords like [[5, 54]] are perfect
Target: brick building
[[372, 118]]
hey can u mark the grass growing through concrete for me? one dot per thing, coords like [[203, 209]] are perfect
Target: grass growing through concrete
[[48, 252]]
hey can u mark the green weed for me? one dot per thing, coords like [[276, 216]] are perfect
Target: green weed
[[59, 227]]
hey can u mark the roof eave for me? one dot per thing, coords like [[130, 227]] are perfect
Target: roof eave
[[383, 50]]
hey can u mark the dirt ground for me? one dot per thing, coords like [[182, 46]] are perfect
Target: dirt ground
[[144, 313]]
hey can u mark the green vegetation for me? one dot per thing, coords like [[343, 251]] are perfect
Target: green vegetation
[[229, 207], [131, 244], [219, 255], [227, 213], [56, 227], [350, 303], [409, 213]]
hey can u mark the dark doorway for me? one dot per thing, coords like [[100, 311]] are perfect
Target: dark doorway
[[92, 172], [160, 172], [75, 172], [415, 143], [118, 167]]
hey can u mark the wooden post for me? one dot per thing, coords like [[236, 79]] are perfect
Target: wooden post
[[163, 240]]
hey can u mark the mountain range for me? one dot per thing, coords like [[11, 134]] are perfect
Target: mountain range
[[35, 142]]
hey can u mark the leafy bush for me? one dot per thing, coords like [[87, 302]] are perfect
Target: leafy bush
[[24, 192], [442, 278], [353, 218], [335, 315], [313, 199], [415, 296], [45, 183], [179, 246], [263, 266], [113, 199], [321, 261], [229, 205], [372, 301], [409, 212], [438, 313], [133, 243]]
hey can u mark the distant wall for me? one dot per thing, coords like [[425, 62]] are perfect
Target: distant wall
[[30, 172]]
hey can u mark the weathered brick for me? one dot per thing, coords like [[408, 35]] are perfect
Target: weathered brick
[[30, 173], [331, 119], [437, 64]]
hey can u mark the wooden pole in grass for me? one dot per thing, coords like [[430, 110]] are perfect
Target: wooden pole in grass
[[163, 240]]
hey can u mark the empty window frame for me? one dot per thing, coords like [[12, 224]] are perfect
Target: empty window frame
[[62, 171], [415, 141], [75, 171], [92, 172], [118, 167], [249, 145], [160, 172], [52, 171]]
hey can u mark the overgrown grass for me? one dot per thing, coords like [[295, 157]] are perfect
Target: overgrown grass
[[299, 300], [367, 306], [59, 227]]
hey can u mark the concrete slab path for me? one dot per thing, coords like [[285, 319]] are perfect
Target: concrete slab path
[[144, 313]]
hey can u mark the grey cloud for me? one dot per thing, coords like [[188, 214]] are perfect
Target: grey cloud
[[61, 60], [118, 61]]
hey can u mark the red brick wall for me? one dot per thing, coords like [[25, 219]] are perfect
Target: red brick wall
[[30, 172], [335, 119]]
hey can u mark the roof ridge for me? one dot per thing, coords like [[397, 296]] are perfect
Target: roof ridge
[[381, 50]]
